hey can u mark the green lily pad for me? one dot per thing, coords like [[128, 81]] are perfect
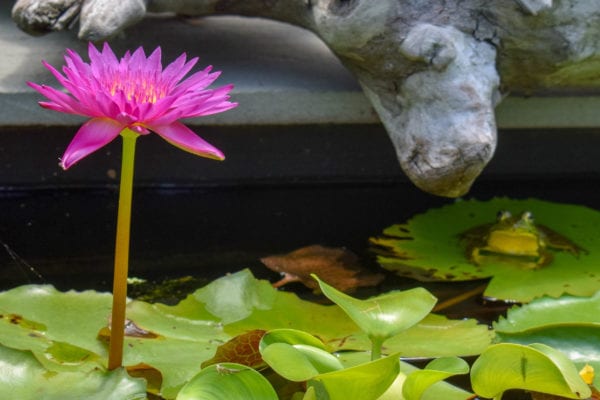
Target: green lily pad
[[428, 247], [569, 324], [172, 342], [536, 367], [434, 336], [23, 377]]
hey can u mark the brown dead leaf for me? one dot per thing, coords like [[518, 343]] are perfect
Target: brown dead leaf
[[242, 349], [338, 267]]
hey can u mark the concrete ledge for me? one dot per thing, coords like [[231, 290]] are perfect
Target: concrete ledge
[[282, 74]]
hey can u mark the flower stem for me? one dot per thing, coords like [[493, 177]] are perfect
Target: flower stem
[[115, 355], [376, 345]]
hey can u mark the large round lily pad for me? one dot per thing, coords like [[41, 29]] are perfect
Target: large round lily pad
[[428, 247]]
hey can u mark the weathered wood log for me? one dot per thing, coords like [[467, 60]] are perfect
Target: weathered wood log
[[434, 70]]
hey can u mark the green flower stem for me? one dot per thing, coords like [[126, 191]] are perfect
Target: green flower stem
[[115, 355], [376, 345]]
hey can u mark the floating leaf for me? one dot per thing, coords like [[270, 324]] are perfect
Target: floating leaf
[[536, 367], [435, 336], [569, 324], [362, 382], [338, 267], [178, 350], [296, 355], [171, 342], [23, 377], [439, 369], [428, 247], [69, 317], [228, 381]]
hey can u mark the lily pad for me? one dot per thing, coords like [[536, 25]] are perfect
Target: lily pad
[[428, 247], [429, 338], [168, 344], [23, 377], [569, 324]]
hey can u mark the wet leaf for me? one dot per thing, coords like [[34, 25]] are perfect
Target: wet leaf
[[569, 324], [386, 315], [297, 355], [536, 367], [23, 377], [180, 346], [242, 349], [437, 391], [362, 382], [61, 329], [69, 317], [228, 381], [433, 337], [428, 247], [439, 369], [338, 267]]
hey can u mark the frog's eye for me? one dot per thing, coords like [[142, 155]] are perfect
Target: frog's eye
[[503, 215], [527, 216]]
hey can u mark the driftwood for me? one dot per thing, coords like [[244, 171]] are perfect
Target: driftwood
[[433, 69]]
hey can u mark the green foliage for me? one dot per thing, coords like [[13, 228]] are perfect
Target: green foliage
[[23, 377], [536, 367], [569, 324], [428, 247], [60, 332], [439, 369], [297, 355], [363, 382], [383, 316], [228, 381]]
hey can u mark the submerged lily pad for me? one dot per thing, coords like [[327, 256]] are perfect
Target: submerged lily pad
[[428, 247]]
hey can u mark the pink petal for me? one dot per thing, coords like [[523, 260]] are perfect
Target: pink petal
[[184, 138], [59, 100], [175, 71], [94, 134]]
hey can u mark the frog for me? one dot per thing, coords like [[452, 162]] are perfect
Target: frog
[[517, 239]]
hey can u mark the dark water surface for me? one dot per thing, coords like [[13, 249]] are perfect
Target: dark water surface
[[66, 236]]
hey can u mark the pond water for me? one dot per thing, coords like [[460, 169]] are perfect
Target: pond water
[[65, 237]]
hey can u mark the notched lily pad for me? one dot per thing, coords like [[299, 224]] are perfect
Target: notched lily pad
[[431, 247]]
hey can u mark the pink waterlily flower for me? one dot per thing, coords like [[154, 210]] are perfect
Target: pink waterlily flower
[[134, 92]]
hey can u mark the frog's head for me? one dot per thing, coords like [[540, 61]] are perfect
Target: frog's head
[[514, 235]]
